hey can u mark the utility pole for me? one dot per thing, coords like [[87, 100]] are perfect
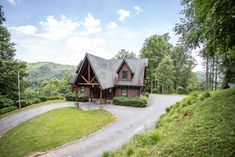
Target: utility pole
[[19, 89]]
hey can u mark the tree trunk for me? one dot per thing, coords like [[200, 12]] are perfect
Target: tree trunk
[[212, 73], [216, 71], [151, 85], [206, 83]]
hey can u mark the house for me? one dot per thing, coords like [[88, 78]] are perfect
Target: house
[[102, 79]]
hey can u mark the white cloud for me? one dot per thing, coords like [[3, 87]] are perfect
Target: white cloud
[[123, 14], [92, 25], [138, 9], [12, 2], [84, 44], [111, 25], [24, 30], [58, 29]]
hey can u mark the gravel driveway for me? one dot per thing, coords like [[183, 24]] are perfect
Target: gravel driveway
[[130, 121]]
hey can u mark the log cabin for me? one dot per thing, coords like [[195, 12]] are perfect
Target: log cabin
[[102, 79]]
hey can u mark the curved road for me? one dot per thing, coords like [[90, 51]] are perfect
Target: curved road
[[130, 121]]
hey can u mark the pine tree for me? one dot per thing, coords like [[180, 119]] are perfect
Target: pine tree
[[9, 67]]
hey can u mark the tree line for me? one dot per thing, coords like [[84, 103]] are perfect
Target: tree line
[[170, 67], [209, 24]]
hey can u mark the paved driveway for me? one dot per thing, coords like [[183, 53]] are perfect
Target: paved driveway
[[16, 119], [130, 121]]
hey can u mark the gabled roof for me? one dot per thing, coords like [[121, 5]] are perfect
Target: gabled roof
[[105, 70], [128, 65]]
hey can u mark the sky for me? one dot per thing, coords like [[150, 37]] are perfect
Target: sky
[[62, 31]]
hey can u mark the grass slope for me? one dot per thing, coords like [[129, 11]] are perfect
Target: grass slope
[[52, 129], [201, 125], [31, 106]]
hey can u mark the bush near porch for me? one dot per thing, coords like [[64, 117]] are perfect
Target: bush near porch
[[72, 97], [131, 101]]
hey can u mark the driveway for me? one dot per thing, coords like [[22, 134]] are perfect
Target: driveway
[[130, 121], [16, 119]]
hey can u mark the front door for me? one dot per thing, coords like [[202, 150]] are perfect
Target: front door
[[96, 92]]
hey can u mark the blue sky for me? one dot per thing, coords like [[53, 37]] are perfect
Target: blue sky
[[62, 31]]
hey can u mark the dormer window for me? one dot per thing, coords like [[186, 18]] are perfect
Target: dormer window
[[124, 75]]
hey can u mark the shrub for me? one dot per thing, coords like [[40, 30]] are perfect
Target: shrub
[[146, 94], [129, 151], [35, 101], [22, 102], [54, 97], [147, 139], [181, 90], [205, 95], [156, 91], [29, 102], [70, 97], [5, 102], [7, 109], [168, 109], [131, 101], [43, 98], [107, 154], [154, 137], [82, 98]]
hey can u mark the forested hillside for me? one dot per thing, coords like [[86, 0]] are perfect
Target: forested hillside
[[41, 71], [46, 80]]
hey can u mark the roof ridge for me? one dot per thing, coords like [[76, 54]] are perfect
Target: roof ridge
[[89, 54]]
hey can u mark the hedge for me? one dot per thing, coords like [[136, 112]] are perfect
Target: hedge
[[131, 101], [54, 97], [43, 98], [7, 109], [23, 103], [72, 97], [35, 101]]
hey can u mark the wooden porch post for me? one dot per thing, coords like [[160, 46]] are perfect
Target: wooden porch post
[[101, 100], [89, 73], [76, 99]]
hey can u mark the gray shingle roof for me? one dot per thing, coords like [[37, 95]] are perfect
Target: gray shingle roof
[[106, 71]]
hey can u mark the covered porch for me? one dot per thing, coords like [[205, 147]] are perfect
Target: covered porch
[[88, 84]]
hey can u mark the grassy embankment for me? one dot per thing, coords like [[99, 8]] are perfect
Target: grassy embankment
[[52, 129], [201, 125]]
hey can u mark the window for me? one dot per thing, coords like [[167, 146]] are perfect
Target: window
[[124, 75], [124, 92], [82, 90]]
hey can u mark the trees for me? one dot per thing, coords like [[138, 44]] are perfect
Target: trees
[[9, 67], [165, 75], [170, 67], [183, 65], [124, 54], [154, 48], [7, 50], [210, 25]]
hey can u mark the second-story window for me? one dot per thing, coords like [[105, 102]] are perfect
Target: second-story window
[[124, 75]]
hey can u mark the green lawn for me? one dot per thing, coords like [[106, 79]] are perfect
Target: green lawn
[[31, 106], [201, 125], [52, 129]]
